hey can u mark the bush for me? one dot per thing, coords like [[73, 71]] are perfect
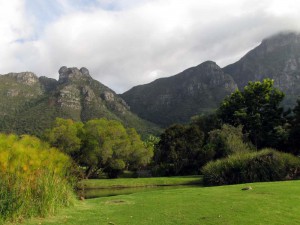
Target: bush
[[227, 141], [32, 178], [265, 165]]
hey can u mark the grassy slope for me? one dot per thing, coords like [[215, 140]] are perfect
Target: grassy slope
[[140, 182], [268, 203]]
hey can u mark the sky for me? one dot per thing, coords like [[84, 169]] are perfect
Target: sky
[[125, 43]]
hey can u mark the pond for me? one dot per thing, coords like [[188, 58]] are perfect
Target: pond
[[96, 193]]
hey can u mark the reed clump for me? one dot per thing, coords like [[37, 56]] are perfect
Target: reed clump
[[34, 179]]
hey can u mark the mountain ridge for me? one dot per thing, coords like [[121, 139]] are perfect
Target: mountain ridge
[[276, 57], [156, 101], [30, 104], [175, 99]]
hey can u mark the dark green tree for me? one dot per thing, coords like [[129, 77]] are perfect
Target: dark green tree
[[257, 109], [295, 130], [207, 122], [180, 150]]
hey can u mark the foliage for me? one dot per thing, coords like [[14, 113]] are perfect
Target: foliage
[[100, 144], [258, 109], [30, 175], [295, 130], [66, 135], [226, 141], [151, 141], [180, 151], [265, 165], [207, 122]]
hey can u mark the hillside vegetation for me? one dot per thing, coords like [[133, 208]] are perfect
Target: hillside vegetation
[[29, 104]]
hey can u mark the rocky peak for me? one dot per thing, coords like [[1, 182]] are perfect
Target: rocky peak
[[73, 74], [27, 78], [207, 75], [209, 64], [205, 69], [209, 67]]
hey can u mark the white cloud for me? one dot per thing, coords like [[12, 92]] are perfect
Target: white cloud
[[128, 42], [14, 30]]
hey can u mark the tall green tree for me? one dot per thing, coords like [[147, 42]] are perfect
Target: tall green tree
[[179, 150], [295, 130], [257, 109]]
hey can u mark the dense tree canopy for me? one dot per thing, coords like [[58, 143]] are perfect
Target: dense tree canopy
[[100, 144], [180, 150], [258, 109], [66, 135], [295, 130]]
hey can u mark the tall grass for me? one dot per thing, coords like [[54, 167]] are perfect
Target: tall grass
[[33, 178]]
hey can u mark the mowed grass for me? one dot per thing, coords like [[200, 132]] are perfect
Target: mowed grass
[[139, 182], [268, 203]]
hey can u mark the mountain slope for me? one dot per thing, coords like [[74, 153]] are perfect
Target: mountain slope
[[30, 104], [176, 99], [277, 57]]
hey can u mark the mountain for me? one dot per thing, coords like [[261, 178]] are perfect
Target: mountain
[[177, 98], [200, 89], [30, 104], [277, 57]]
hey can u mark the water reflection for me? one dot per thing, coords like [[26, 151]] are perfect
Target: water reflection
[[96, 193]]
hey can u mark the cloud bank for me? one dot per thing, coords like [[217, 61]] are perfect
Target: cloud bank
[[130, 42]]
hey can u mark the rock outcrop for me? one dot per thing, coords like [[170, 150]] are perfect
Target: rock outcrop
[[27, 78], [73, 74]]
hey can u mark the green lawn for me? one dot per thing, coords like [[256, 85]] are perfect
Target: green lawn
[[268, 203], [139, 182]]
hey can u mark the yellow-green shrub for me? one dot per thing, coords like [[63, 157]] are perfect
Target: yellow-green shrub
[[33, 178]]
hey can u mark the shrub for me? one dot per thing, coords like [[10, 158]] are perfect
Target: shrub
[[227, 141], [265, 165], [33, 178]]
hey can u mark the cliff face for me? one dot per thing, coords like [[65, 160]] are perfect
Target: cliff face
[[17, 89], [277, 57], [176, 99], [30, 104]]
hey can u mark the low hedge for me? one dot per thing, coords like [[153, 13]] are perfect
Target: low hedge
[[264, 165]]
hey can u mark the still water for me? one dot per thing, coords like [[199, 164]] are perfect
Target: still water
[[96, 193]]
